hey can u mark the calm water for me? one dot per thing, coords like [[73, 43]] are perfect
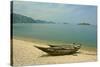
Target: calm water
[[67, 33]]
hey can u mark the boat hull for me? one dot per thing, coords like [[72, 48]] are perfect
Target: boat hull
[[58, 51]]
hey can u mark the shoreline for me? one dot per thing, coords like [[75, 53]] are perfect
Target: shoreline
[[24, 53], [42, 42]]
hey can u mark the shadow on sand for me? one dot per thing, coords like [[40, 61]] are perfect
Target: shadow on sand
[[48, 55]]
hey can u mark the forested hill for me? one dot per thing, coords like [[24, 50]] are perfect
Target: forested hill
[[17, 18]]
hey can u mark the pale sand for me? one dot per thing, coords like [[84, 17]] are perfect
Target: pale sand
[[24, 53]]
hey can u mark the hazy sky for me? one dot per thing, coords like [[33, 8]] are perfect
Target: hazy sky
[[56, 12]]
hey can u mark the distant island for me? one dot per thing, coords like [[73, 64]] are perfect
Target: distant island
[[65, 23], [83, 24], [17, 18]]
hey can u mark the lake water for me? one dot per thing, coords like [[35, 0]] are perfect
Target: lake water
[[68, 33]]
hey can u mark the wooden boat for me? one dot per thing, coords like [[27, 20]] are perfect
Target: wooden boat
[[56, 50], [68, 46]]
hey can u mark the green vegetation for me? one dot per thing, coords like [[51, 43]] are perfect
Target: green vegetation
[[17, 18]]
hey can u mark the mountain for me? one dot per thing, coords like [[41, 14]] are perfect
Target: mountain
[[17, 18]]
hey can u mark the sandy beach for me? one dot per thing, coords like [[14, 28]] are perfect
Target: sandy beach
[[24, 53]]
